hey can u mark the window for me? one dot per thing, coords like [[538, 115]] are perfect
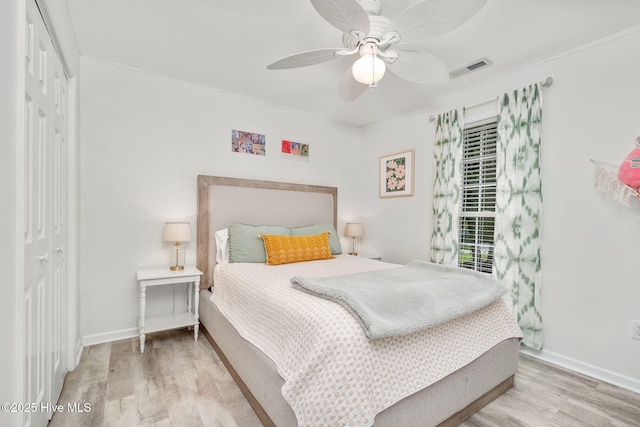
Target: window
[[477, 213]]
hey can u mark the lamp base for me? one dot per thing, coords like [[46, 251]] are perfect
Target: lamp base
[[176, 267]]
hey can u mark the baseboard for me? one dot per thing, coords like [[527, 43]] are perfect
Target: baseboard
[[122, 334], [610, 377]]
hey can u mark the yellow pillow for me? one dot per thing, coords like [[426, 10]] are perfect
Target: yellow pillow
[[288, 249]]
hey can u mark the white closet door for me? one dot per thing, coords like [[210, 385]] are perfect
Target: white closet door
[[45, 219], [58, 221]]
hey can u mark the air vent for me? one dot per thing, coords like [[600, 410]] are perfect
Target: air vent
[[474, 66]]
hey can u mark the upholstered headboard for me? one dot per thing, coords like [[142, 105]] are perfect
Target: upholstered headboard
[[224, 201]]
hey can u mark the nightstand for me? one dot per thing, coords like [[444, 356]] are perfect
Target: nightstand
[[190, 276]]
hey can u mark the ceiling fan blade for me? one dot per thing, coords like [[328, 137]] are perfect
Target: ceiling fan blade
[[350, 89], [305, 59], [432, 18], [419, 67], [345, 15]]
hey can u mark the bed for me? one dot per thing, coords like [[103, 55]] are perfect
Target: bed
[[450, 395]]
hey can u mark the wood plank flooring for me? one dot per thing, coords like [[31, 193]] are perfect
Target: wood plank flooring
[[175, 382], [178, 382], [546, 395]]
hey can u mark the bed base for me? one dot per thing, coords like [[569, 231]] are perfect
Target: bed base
[[461, 393]]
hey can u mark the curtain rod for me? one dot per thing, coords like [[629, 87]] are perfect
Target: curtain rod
[[546, 83]]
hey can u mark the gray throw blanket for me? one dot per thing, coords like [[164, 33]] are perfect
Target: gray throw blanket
[[407, 299]]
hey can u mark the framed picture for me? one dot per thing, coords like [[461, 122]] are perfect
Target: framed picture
[[295, 150], [396, 174], [247, 142]]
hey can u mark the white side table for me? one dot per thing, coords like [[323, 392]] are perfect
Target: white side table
[[163, 276], [370, 256]]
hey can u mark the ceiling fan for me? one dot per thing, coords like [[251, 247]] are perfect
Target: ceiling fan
[[379, 41]]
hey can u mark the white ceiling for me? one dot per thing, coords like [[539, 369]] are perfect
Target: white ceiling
[[226, 44]]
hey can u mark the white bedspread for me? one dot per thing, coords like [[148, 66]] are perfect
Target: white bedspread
[[334, 375]]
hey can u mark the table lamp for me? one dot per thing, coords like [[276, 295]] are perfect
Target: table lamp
[[176, 233], [353, 230]]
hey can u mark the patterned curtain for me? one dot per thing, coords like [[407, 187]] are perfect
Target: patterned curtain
[[519, 206], [446, 187]]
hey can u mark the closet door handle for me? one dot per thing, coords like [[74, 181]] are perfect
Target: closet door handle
[[44, 258], [60, 250]]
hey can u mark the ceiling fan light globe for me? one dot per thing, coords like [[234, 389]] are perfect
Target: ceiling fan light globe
[[368, 69]]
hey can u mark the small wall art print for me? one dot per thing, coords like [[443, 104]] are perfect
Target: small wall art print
[[396, 174], [247, 142], [295, 150]]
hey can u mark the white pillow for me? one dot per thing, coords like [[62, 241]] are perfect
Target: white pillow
[[222, 246]]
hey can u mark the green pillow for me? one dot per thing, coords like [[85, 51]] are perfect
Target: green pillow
[[245, 244], [310, 230]]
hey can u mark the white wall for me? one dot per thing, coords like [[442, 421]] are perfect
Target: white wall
[[10, 372], [144, 141], [397, 228], [590, 244]]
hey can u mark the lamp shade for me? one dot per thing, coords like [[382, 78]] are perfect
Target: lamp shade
[[177, 232], [353, 229]]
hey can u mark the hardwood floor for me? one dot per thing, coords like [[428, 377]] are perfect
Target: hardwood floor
[[177, 382], [547, 396]]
